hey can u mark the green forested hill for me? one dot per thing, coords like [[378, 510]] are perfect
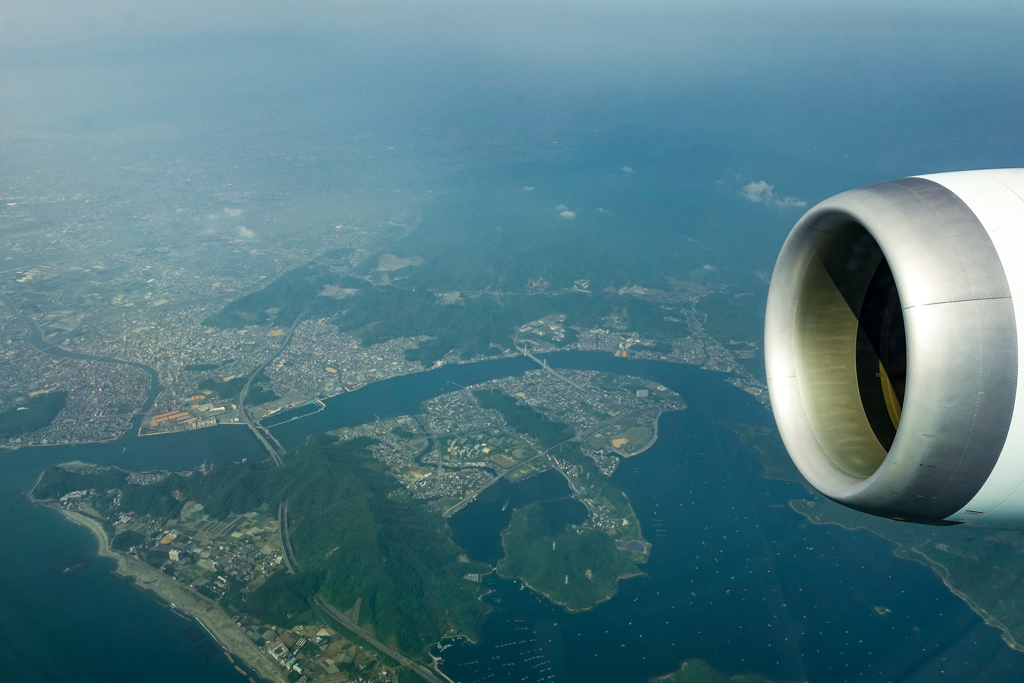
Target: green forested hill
[[523, 418], [56, 481], [356, 534], [37, 413], [514, 258], [289, 293], [699, 671], [575, 568]]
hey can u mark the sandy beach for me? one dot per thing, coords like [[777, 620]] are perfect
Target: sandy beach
[[187, 600]]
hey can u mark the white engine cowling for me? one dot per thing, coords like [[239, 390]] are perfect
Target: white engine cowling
[[892, 346]]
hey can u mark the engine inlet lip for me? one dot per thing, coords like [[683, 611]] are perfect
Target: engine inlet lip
[[960, 336]]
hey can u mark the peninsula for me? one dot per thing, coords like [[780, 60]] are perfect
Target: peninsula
[[266, 557], [574, 567], [980, 566]]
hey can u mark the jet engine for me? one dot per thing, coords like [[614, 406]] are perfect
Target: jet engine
[[893, 345]]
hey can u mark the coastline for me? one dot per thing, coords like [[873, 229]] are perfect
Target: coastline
[[915, 555], [203, 610], [975, 607], [140, 431], [568, 609], [654, 439], [61, 443], [547, 597]]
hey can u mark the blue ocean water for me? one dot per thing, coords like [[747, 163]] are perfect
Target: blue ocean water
[[479, 531], [735, 576], [83, 624]]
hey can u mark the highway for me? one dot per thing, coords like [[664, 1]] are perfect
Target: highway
[[417, 668], [245, 390], [285, 540], [282, 532]]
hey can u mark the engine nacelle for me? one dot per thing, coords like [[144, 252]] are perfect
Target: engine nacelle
[[892, 346]]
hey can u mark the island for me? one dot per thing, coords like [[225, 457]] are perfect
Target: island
[[293, 568], [699, 671], [382, 556]]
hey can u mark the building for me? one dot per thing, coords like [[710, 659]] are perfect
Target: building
[[179, 556]]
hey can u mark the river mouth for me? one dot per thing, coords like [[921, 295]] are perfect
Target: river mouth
[[790, 584]]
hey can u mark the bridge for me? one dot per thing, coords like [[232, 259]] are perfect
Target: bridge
[[544, 364], [274, 451]]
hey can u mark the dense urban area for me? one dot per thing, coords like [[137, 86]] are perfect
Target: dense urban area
[[207, 307]]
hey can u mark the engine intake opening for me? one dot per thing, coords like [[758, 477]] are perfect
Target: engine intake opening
[[882, 355], [852, 349]]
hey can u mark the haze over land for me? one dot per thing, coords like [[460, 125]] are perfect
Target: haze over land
[[225, 214]]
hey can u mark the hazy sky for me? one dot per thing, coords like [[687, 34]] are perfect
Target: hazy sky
[[880, 88], [37, 22]]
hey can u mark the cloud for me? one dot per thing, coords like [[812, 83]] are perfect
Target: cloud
[[234, 213], [763, 193], [758, 192], [245, 233], [567, 215], [527, 188], [628, 169]]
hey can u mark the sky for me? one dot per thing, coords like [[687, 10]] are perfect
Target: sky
[[806, 98], [37, 22]]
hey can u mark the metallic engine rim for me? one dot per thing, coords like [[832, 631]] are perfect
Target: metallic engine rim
[[961, 346]]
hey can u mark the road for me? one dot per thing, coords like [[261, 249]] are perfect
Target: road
[[469, 499], [282, 532], [286, 543], [245, 390], [546, 454], [526, 352], [417, 668]]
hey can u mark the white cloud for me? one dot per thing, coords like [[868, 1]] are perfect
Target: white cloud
[[763, 193], [561, 207], [527, 188], [567, 215], [245, 233], [234, 213], [628, 169]]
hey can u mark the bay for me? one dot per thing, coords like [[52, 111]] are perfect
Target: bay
[[478, 531], [735, 577]]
